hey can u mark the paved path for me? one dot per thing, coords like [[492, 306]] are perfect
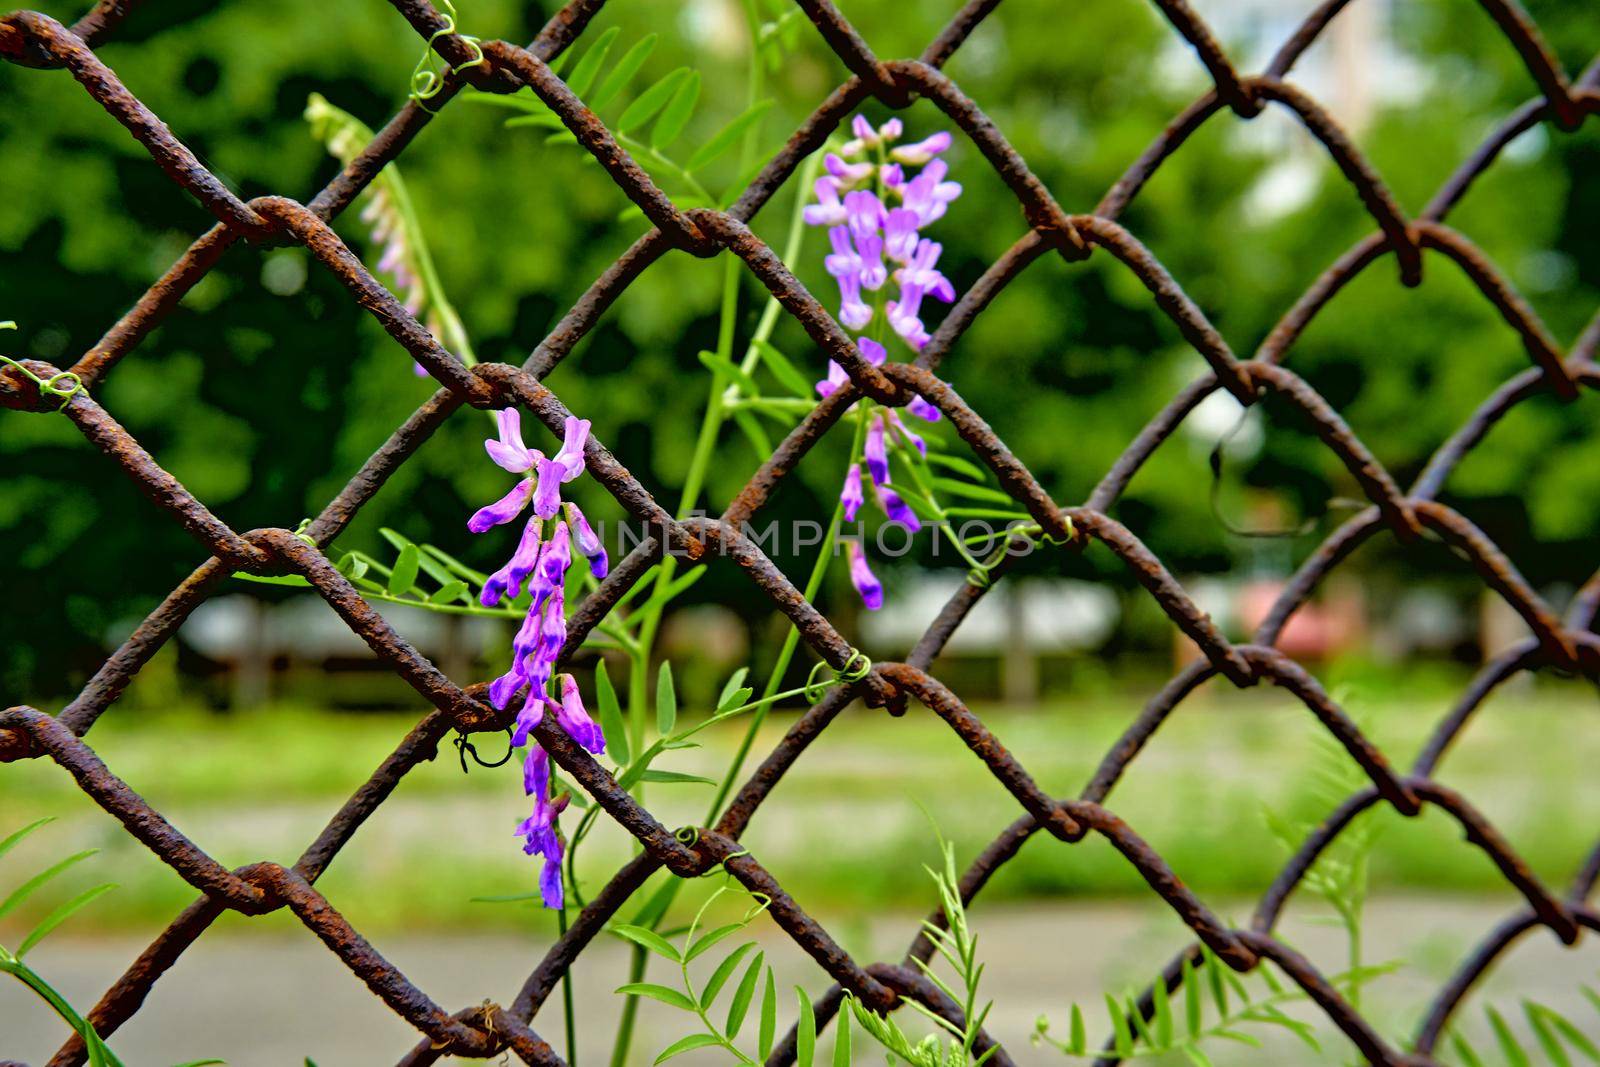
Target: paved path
[[259, 1000]]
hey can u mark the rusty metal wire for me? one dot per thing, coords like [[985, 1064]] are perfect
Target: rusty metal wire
[[1567, 645]]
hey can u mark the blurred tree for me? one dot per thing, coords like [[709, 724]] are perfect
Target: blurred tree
[[269, 386]]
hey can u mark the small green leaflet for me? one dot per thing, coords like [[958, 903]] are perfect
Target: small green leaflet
[[588, 67], [728, 136], [733, 685], [651, 101], [404, 575], [686, 1044], [805, 1034], [677, 113], [61, 915], [657, 992], [653, 775], [666, 701], [742, 996], [783, 368], [623, 72], [611, 723], [651, 940]]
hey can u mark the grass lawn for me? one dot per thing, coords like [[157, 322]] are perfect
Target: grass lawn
[[850, 826]]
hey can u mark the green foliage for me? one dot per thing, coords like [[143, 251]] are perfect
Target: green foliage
[[957, 945], [1558, 1041], [701, 1000], [11, 960], [1203, 981], [665, 107]]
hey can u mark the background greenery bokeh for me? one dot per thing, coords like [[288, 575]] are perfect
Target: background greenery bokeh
[[270, 386]]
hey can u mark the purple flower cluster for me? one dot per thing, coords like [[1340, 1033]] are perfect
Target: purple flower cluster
[[541, 560], [875, 210]]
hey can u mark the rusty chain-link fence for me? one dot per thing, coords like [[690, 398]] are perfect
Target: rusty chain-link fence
[[1566, 645]]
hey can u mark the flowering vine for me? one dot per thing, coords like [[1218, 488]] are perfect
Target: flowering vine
[[875, 210], [540, 562]]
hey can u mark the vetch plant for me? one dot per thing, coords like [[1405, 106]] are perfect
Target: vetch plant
[[958, 946], [541, 559], [906, 472], [394, 229]]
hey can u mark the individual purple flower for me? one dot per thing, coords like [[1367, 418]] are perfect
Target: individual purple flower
[[509, 452], [574, 717], [921, 271], [900, 234], [864, 212], [848, 175], [896, 508], [861, 576], [922, 409], [588, 544], [827, 211], [503, 510], [571, 455], [836, 377], [877, 451], [905, 316], [845, 261], [509, 578], [850, 496], [852, 311], [922, 151], [928, 194], [547, 497]]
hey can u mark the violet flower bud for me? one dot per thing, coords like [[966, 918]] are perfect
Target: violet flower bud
[[509, 578], [827, 211], [896, 509], [861, 576], [588, 544], [922, 151], [850, 496], [876, 452], [503, 510], [574, 717]]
